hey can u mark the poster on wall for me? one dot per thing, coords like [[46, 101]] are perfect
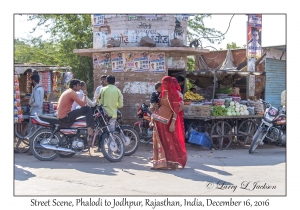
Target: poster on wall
[[129, 61], [102, 60], [99, 40], [255, 20], [254, 36], [175, 62], [98, 20], [141, 61], [251, 64], [95, 60], [117, 63], [157, 62]]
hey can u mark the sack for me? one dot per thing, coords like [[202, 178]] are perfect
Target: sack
[[163, 115]]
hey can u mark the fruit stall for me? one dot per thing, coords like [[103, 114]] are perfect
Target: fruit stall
[[223, 119]]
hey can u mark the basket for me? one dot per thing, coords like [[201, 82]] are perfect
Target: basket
[[199, 138], [195, 110], [238, 99], [187, 102]]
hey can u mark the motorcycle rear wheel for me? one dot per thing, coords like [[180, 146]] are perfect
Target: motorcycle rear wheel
[[134, 140], [38, 151], [107, 144], [257, 138]]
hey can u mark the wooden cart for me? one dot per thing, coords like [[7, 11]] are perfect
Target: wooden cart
[[223, 130]]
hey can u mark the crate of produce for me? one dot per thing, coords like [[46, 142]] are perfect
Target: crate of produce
[[204, 110], [200, 139], [221, 95], [234, 98], [196, 110], [219, 102]]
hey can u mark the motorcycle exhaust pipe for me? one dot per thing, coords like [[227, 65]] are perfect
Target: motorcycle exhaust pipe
[[60, 149]]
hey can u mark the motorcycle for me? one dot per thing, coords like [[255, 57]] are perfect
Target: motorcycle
[[129, 136], [272, 127], [55, 138], [142, 126]]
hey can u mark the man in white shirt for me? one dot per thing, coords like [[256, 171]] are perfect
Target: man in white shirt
[[80, 94], [98, 89]]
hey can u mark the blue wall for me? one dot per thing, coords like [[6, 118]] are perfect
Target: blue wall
[[275, 81]]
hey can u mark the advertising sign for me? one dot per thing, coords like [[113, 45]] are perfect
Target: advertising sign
[[117, 63], [254, 36], [141, 61], [157, 62]]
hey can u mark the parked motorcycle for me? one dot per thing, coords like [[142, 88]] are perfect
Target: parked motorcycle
[[142, 126], [129, 136], [55, 138], [272, 127]]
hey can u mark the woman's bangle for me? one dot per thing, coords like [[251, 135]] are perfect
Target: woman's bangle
[[173, 118]]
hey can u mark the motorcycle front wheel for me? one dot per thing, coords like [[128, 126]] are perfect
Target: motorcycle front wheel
[[133, 136], [257, 138], [112, 149], [38, 151]]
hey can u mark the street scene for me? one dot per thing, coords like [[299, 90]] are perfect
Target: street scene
[[150, 105]]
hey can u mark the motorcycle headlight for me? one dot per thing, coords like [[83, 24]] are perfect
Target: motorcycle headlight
[[269, 118]]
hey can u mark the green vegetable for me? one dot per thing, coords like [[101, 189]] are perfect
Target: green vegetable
[[227, 90], [219, 111]]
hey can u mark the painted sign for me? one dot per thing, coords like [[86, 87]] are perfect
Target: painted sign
[[254, 49], [139, 87], [157, 62], [117, 63], [145, 17], [98, 20], [141, 61], [133, 37]]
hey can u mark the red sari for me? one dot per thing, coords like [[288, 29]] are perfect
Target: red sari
[[169, 150]]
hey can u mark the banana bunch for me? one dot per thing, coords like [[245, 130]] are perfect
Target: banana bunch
[[189, 95]]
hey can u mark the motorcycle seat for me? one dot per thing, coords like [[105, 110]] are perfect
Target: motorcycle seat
[[49, 119], [55, 120]]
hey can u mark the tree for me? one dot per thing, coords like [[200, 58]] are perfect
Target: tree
[[197, 30], [233, 46], [68, 32]]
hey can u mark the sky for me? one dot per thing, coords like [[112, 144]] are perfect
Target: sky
[[273, 29]]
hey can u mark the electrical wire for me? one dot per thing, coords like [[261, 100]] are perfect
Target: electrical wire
[[221, 34]]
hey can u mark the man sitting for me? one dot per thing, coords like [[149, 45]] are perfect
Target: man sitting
[[65, 102]]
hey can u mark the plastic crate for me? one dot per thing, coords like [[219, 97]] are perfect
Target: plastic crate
[[200, 139]]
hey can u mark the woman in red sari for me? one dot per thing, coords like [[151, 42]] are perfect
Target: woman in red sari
[[169, 150]]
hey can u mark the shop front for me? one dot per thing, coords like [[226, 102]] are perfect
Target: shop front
[[53, 79]]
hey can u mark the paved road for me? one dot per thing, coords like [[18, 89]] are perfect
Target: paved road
[[230, 172]]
